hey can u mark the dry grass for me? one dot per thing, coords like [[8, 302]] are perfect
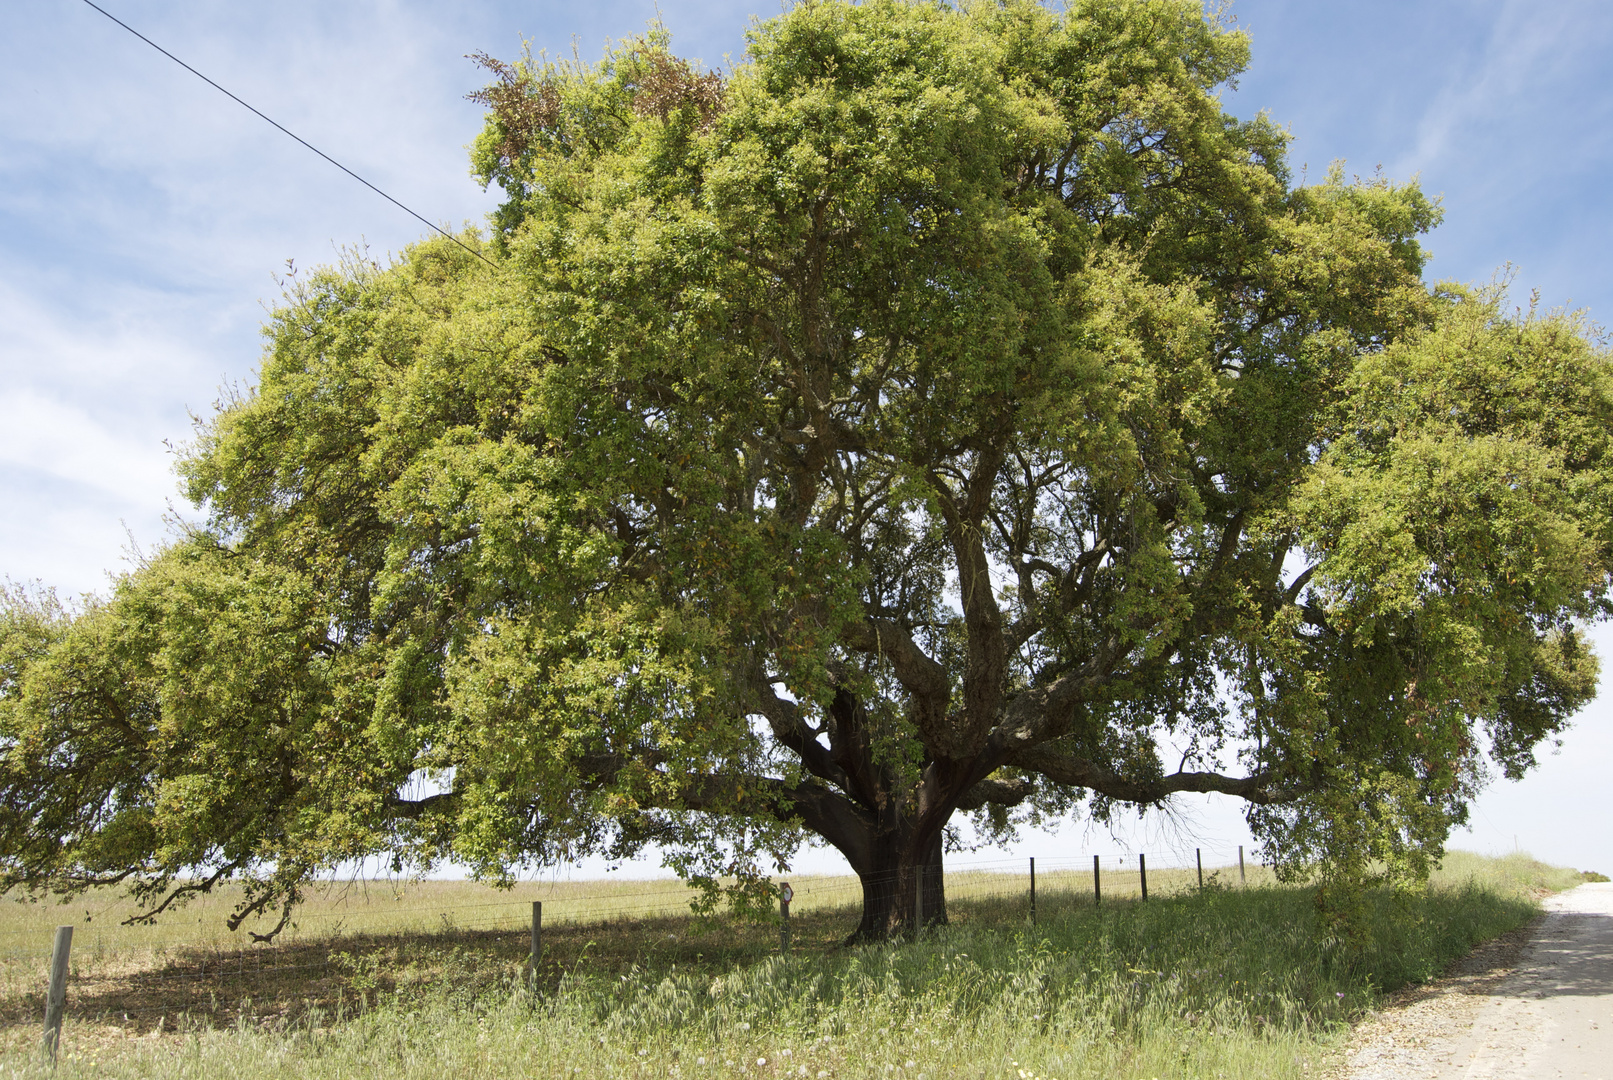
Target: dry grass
[[354, 943], [1236, 979], [382, 907]]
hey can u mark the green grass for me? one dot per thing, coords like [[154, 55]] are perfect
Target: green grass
[[1223, 982]]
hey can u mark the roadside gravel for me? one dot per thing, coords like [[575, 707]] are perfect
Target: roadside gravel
[[1537, 1002]]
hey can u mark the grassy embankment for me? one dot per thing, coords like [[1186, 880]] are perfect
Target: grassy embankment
[[1223, 982]]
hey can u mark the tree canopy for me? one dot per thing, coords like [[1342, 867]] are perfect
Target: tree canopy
[[947, 414]]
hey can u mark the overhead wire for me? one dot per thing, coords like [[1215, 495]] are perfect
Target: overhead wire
[[292, 134]]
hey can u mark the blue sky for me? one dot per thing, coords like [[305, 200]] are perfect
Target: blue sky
[[143, 218]]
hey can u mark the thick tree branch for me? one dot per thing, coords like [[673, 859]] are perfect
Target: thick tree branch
[[913, 667], [1304, 579], [593, 770], [851, 745], [1040, 713], [986, 651], [835, 818], [413, 809], [999, 792], [1073, 771], [784, 718]]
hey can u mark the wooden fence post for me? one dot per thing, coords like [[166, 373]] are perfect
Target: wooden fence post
[[56, 996], [1097, 890], [1033, 891], [1142, 868], [535, 957]]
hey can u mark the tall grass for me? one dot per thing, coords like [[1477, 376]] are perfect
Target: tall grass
[[1219, 982]]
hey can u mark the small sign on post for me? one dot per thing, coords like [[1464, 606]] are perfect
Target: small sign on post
[[785, 895]]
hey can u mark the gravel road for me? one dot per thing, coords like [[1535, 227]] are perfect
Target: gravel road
[[1536, 1003]]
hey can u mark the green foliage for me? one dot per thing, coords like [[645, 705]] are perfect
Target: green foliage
[[945, 410]]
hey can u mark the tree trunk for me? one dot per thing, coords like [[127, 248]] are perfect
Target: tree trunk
[[891, 834], [891, 885]]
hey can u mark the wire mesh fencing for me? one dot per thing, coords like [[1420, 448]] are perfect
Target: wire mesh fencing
[[354, 942]]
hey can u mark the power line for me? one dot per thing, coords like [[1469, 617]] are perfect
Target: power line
[[287, 131]]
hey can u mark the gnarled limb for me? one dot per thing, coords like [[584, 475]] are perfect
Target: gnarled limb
[[996, 792], [1260, 788]]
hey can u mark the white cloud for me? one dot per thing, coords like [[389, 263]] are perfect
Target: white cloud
[[63, 441]]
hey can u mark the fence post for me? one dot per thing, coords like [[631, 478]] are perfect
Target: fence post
[[1033, 891], [1097, 890], [1198, 854], [1242, 879], [56, 996], [536, 956], [1142, 869], [785, 895]]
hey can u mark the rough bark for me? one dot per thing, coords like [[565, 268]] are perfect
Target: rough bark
[[891, 885]]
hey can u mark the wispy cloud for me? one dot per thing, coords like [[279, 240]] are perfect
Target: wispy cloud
[[1522, 83], [143, 214], [50, 437]]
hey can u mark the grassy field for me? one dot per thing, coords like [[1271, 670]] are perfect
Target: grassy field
[[425, 978], [426, 907]]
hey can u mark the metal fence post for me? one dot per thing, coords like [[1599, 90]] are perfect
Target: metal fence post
[[1198, 854], [56, 997], [1242, 879], [1097, 889], [1142, 869]]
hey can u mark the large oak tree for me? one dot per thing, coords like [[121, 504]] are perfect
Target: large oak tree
[[945, 411]]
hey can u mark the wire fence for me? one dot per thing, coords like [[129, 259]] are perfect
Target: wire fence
[[321, 966], [359, 908]]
